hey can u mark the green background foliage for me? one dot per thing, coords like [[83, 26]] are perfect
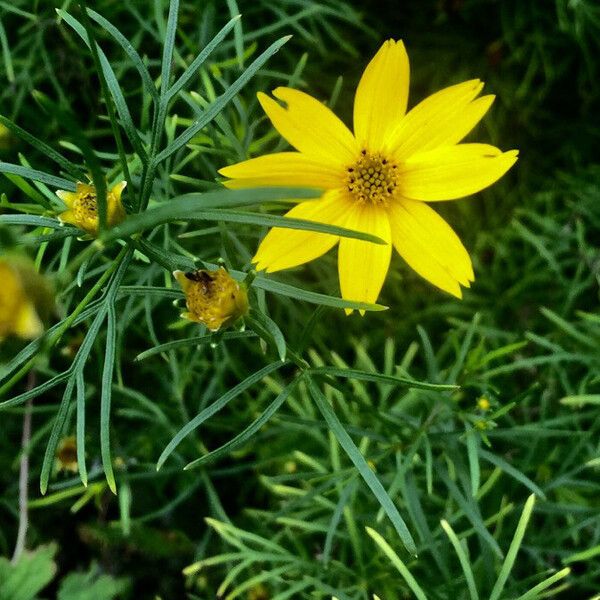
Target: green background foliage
[[303, 474]]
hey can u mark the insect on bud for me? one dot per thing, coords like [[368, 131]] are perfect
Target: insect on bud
[[82, 207], [213, 298]]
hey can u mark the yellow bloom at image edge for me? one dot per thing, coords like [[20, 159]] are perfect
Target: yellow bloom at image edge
[[82, 207], [24, 294], [213, 298], [378, 179]]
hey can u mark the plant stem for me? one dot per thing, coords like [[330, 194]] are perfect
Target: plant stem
[[24, 476]]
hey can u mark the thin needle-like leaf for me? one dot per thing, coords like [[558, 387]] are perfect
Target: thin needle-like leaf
[[511, 555], [360, 463], [416, 589], [463, 559], [214, 408]]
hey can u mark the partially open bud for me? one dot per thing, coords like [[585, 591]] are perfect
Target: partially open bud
[[25, 298], [213, 298], [82, 207]]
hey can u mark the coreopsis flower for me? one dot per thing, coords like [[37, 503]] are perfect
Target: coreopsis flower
[[213, 298], [379, 179], [24, 294], [82, 207]]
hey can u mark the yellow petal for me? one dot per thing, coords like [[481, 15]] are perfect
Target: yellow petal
[[286, 248], [430, 246], [85, 188], [68, 216], [281, 169], [182, 280], [452, 172], [67, 197], [117, 189], [27, 324], [363, 265], [381, 96], [310, 127], [442, 119]]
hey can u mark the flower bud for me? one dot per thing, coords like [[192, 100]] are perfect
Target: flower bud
[[82, 207], [66, 455], [213, 298]]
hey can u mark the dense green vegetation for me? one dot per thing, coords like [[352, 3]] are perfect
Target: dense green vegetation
[[293, 508]]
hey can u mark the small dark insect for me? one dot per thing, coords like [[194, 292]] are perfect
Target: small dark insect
[[202, 277], [199, 276]]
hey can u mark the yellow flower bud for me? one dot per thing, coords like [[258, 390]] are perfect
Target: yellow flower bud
[[213, 298], [66, 455], [258, 592], [82, 207], [6, 138], [25, 298], [483, 404]]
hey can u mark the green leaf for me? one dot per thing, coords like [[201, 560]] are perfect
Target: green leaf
[[214, 109], [129, 50], [27, 173], [31, 220], [111, 82], [216, 407], [167, 57], [360, 463], [512, 471], [57, 429], [267, 326], [32, 573], [535, 592], [581, 400], [463, 559], [336, 518], [36, 391], [106, 396], [193, 341], [379, 378], [569, 329], [192, 69], [191, 207], [91, 586], [471, 510], [582, 556], [511, 555], [284, 289], [193, 211], [8, 63], [246, 434], [44, 148], [81, 464], [397, 562], [472, 442]]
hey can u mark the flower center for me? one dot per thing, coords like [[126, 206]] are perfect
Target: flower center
[[372, 178], [86, 206]]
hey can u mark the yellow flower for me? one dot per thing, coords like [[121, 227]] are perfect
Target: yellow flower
[[379, 179], [213, 298], [82, 207], [18, 313]]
